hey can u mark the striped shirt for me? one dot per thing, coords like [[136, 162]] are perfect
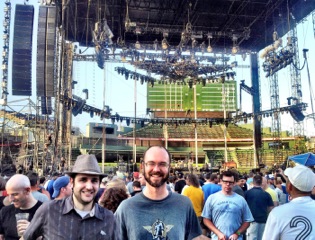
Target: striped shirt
[[59, 220]]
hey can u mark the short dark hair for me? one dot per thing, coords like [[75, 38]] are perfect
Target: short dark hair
[[161, 147], [33, 177], [136, 184], [227, 173], [207, 176], [73, 176], [213, 176], [42, 179], [180, 175], [257, 179]]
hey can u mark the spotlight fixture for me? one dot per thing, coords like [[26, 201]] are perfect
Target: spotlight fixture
[[137, 45], [165, 44], [126, 75], [235, 46], [234, 50], [209, 48]]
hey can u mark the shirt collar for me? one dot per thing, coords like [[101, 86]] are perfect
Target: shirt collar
[[69, 206]]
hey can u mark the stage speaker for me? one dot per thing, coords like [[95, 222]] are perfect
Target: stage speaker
[[109, 130], [22, 50], [46, 105], [46, 38], [296, 113], [78, 107]]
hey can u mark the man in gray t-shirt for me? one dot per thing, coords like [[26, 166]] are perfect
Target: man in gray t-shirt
[[226, 213], [157, 213]]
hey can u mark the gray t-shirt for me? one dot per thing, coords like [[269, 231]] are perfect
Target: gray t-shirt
[[170, 218], [227, 213]]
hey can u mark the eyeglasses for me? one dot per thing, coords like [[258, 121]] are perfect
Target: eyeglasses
[[153, 164], [227, 182]]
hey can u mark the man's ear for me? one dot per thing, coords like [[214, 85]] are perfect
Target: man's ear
[[289, 186], [72, 181], [28, 190]]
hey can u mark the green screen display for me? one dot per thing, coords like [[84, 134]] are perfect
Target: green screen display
[[178, 97]]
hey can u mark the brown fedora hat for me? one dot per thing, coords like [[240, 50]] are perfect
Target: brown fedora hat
[[86, 164]]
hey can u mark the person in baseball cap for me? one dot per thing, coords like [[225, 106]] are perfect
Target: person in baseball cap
[[289, 220], [62, 188], [301, 177]]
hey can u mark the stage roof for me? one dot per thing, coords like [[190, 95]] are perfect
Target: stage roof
[[250, 23]]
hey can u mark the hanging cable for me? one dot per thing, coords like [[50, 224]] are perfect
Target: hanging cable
[[87, 22], [309, 84]]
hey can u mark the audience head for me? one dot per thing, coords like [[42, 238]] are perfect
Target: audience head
[[301, 178], [33, 177], [156, 162], [19, 191], [192, 180], [136, 185], [142, 179], [257, 180], [112, 198], [85, 174], [62, 187], [116, 183]]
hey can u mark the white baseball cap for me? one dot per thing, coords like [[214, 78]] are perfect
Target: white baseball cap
[[301, 177]]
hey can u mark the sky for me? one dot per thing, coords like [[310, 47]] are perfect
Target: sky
[[120, 93]]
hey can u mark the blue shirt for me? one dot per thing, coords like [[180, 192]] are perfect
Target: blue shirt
[[227, 213], [209, 189]]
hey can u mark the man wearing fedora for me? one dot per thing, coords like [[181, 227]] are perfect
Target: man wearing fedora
[[296, 219], [77, 216]]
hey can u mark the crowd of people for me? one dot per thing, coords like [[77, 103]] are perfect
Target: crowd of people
[[84, 203]]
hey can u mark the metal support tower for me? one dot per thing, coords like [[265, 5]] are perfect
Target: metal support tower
[[276, 120], [64, 113], [296, 87], [254, 91], [5, 66], [256, 107], [63, 117], [5, 51]]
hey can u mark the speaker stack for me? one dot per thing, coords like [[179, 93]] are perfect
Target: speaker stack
[[45, 74], [22, 50]]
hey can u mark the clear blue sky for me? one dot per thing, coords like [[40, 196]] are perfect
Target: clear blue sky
[[120, 93]]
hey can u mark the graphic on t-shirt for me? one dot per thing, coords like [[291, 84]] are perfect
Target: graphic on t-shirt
[[158, 230], [306, 231]]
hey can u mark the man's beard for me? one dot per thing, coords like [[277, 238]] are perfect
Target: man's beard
[[156, 184]]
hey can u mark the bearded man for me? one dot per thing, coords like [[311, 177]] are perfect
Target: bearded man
[[77, 216], [157, 213]]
